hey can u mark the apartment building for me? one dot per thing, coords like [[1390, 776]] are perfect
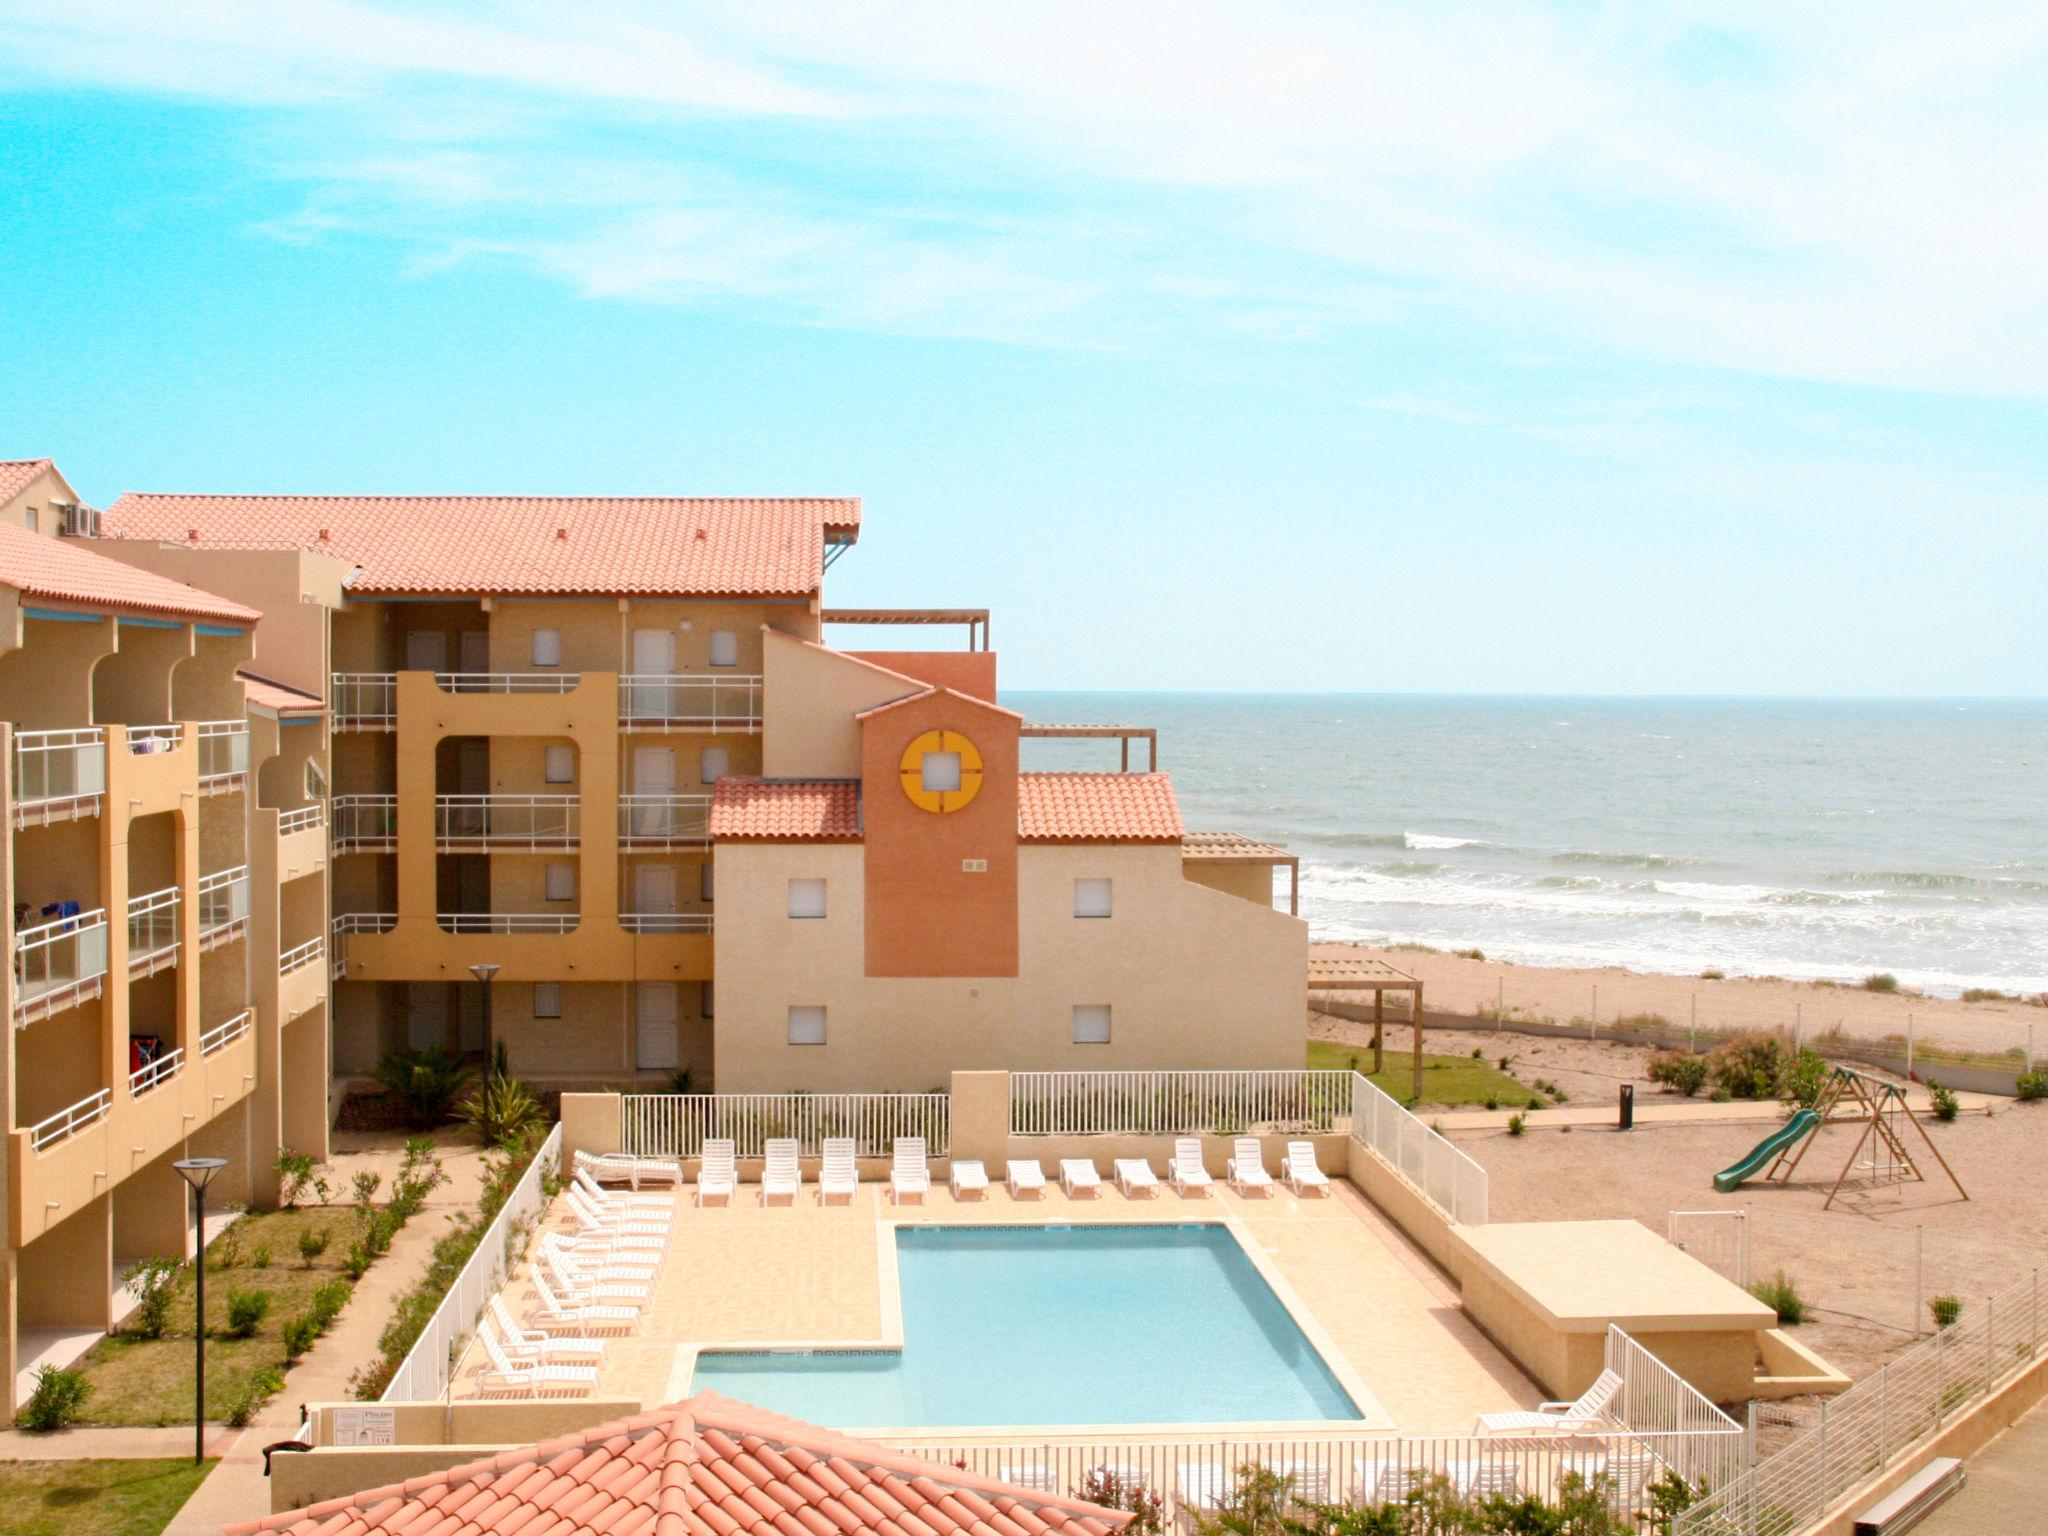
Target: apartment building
[[166, 905], [603, 796]]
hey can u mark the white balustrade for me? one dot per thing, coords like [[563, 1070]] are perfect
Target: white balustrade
[[302, 818], [58, 768], [66, 1122], [363, 701], [507, 822], [224, 902], [665, 821], [151, 1073], [153, 931], [507, 682], [302, 955], [364, 823], [227, 1033], [676, 1124], [223, 753], [510, 922], [143, 740], [662, 701], [665, 922], [58, 963]]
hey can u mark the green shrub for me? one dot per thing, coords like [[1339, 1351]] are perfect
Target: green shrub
[[356, 1261], [294, 1176], [155, 1283], [1469, 954], [246, 1311], [1946, 1310], [1782, 1296], [1881, 981], [1713, 973], [1750, 1066], [298, 1334], [1679, 1070], [2031, 1085], [1517, 1124], [503, 1109], [1805, 1078], [1987, 995], [1479, 1053], [312, 1243], [244, 1402], [364, 1186], [1114, 1489], [1493, 1101], [1946, 1105], [428, 1082], [57, 1400], [326, 1302], [259, 1256]]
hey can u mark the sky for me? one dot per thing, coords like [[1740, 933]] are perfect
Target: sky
[[1574, 348]]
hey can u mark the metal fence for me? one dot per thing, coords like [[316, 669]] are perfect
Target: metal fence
[[60, 765], [1446, 1177], [1718, 1239], [1859, 1433], [1178, 1103], [678, 1124], [430, 1365], [662, 700]]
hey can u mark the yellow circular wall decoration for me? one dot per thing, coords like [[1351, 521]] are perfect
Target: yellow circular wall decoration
[[911, 771]]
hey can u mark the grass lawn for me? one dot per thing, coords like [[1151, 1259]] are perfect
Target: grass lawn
[[94, 1498], [149, 1381], [1446, 1080]]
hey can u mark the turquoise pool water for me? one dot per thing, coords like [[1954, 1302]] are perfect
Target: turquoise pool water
[[1058, 1325]]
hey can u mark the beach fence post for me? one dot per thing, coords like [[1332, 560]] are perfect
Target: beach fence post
[[1909, 1047]]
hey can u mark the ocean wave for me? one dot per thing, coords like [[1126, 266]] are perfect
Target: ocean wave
[[1924, 880], [1633, 860], [1430, 842]]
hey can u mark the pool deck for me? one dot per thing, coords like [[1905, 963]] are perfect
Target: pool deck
[[813, 1274]]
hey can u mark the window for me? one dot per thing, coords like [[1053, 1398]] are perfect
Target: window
[[1091, 898], [807, 1026], [713, 764], [704, 881], [806, 898], [707, 1000], [547, 999], [561, 880], [941, 772], [561, 765], [316, 781], [1091, 1023], [547, 647], [725, 648]]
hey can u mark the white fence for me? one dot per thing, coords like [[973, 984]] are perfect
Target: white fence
[[60, 765], [678, 1124], [430, 1365], [1882, 1417], [1177, 1103], [1718, 1239], [663, 701], [1447, 1178]]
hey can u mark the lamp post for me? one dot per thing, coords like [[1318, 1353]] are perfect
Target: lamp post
[[483, 971], [198, 1172]]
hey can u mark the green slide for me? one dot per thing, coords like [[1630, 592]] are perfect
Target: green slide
[[1801, 1124]]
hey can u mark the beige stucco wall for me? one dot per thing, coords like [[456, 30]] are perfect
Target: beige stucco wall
[[30, 506], [1247, 882], [810, 696]]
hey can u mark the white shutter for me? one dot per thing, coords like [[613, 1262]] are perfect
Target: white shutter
[[725, 648], [713, 764], [561, 880], [806, 898], [806, 1026], [547, 647], [547, 999], [561, 765], [1091, 1023], [1091, 898]]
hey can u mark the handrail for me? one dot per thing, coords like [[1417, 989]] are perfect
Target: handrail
[[227, 1033], [152, 926], [146, 739], [677, 1124], [59, 765], [507, 682], [53, 956], [302, 954], [47, 1133], [517, 821], [220, 903], [692, 700], [223, 750], [363, 822], [509, 922], [363, 700], [1446, 1176], [665, 922], [665, 820], [303, 818], [149, 1074], [365, 922]]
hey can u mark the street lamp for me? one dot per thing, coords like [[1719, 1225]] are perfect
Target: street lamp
[[199, 1172], [483, 971]]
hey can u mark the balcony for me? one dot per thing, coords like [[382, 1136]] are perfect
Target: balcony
[[649, 822], [300, 955], [66, 1123], [152, 932], [223, 756], [506, 823], [356, 922], [58, 775], [223, 1035], [302, 978], [58, 965], [364, 824], [223, 906], [364, 701], [148, 740], [658, 701], [509, 922], [665, 922], [152, 1074], [507, 682]]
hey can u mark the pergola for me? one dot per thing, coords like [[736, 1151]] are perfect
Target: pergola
[[1149, 734], [975, 619], [1236, 848], [1358, 973]]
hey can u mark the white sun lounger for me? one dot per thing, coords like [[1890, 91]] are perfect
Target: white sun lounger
[[1389, 1482], [600, 1262], [1186, 1172], [1134, 1176], [623, 1168], [715, 1176], [1486, 1479], [838, 1174], [782, 1175], [538, 1343], [1078, 1176], [1247, 1167], [911, 1173], [649, 1207], [1204, 1485], [967, 1176], [591, 1222], [579, 1287], [1024, 1173], [529, 1378], [1588, 1407], [1299, 1168], [554, 1313]]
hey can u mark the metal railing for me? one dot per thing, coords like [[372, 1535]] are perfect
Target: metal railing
[[508, 682], [509, 922], [363, 701], [1177, 1103], [223, 753], [665, 821], [223, 902], [1718, 1239], [355, 922], [57, 963], [1449, 1179], [662, 701], [161, 1070], [428, 1367], [676, 1124], [364, 824], [1882, 1417], [66, 1122], [228, 1033], [153, 931], [302, 818], [146, 739], [506, 821], [665, 922], [302, 955], [59, 767]]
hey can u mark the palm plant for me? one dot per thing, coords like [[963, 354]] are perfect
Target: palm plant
[[428, 1081]]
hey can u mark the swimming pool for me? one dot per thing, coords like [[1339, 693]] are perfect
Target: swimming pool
[[1169, 1324]]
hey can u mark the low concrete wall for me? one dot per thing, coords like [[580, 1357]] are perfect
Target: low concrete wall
[[591, 1122]]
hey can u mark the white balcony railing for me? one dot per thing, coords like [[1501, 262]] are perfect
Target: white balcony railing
[[507, 682], [223, 754], [146, 739], [510, 922], [364, 701], [662, 701], [228, 1033], [665, 922], [665, 821], [303, 818], [364, 824], [59, 963], [224, 905], [302, 955], [59, 775], [505, 821], [355, 922], [67, 1122], [153, 931], [161, 1070]]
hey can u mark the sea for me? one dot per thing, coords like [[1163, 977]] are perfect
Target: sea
[[1797, 838]]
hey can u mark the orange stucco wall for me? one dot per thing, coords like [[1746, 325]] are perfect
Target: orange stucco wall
[[970, 672], [926, 914]]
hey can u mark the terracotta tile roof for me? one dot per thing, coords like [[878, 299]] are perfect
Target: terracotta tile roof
[[63, 571], [262, 693], [1097, 808], [926, 691], [785, 810], [15, 475], [670, 546], [705, 1467]]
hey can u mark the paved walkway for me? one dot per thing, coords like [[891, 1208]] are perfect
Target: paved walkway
[[2002, 1493]]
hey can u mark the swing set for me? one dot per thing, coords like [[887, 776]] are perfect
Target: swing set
[[1856, 1098]]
